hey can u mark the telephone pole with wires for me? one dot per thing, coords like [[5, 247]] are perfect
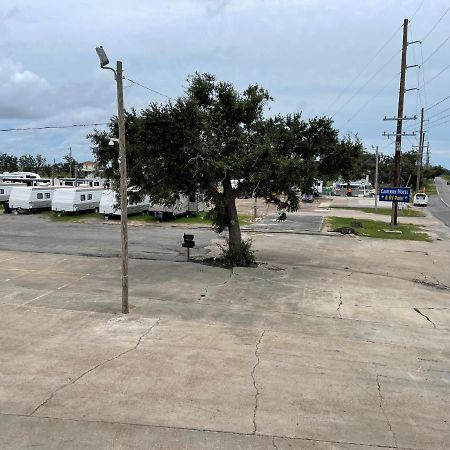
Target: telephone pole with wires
[[427, 160], [400, 118], [420, 151]]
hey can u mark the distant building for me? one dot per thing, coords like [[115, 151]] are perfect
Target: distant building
[[89, 168]]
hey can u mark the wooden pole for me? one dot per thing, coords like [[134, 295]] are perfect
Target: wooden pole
[[123, 187]]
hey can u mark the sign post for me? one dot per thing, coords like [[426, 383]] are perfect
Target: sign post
[[395, 195]]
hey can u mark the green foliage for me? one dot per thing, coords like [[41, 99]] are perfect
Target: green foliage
[[240, 255], [8, 163]]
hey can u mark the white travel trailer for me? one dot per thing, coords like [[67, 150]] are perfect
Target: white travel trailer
[[109, 205], [5, 190], [76, 199], [179, 208], [184, 206], [92, 182], [31, 198]]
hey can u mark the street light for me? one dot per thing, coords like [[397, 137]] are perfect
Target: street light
[[118, 75]]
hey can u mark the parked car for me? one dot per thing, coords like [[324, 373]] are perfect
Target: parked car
[[420, 199]]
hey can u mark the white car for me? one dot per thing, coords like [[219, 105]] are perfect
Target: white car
[[420, 199]]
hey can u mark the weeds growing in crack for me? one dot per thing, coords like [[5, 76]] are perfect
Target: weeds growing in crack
[[254, 381], [381, 404], [63, 386]]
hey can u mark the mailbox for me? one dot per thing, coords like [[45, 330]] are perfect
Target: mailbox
[[188, 241]]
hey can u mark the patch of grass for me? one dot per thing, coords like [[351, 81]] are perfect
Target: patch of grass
[[144, 218], [375, 229], [80, 217], [1, 207], [385, 211]]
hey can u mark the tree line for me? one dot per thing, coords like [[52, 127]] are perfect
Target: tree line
[[38, 164]]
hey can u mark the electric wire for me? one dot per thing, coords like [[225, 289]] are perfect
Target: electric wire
[[438, 103], [358, 76], [365, 84], [436, 24], [54, 127], [149, 89]]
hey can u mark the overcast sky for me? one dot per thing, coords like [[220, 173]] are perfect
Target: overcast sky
[[333, 57]]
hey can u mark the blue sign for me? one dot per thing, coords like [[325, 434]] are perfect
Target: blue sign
[[395, 194]]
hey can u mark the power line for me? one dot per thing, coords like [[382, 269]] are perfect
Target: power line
[[439, 113], [54, 127], [438, 103], [149, 89], [439, 124], [437, 23], [437, 75], [352, 82], [372, 98], [366, 83], [438, 119], [438, 48]]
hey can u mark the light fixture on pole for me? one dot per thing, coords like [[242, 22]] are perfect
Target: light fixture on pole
[[104, 61]]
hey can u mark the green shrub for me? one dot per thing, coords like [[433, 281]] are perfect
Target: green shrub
[[238, 256]]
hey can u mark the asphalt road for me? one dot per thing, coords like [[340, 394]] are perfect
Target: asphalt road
[[439, 205], [34, 233], [37, 233]]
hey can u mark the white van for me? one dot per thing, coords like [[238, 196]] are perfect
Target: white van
[[420, 199]]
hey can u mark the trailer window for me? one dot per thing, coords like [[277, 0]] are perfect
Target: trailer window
[[47, 195], [2, 191], [40, 195], [82, 197], [89, 196], [96, 183]]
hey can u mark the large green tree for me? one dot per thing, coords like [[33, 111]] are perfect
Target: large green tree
[[216, 140], [8, 163]]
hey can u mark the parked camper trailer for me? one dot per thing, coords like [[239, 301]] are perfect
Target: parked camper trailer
[[109, 205], [31, 198], [92, 182], [5, 190], [76, 199], [184, 206], [360, 188]]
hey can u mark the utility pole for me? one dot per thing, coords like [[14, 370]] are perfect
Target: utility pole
[[398, 137], [53, 172], [420, 151], [400, 118], [427, 163], [70, 162], [118, 74], [376, 179], [123, 186]]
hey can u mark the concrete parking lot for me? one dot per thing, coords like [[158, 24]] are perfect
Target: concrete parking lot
[[332, 342]]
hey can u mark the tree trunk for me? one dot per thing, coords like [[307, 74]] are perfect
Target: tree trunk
[[234, 230]]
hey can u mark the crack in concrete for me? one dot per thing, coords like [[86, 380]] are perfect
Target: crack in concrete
[[417, 310], [430, 283], [380, 395], [254, 381], [275, 446], [339, 305], [63, 386]]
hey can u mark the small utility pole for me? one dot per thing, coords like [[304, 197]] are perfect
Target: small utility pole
[[70, 162], [420, 151], [53, 172], [123, 187], [376, 179], [118, 74], [427, 163]]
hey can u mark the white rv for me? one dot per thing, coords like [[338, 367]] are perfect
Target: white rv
[[109, 205], [93, 182], [184, 206], [5, 190], [31, 198], [179, 208], [76, 199]]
